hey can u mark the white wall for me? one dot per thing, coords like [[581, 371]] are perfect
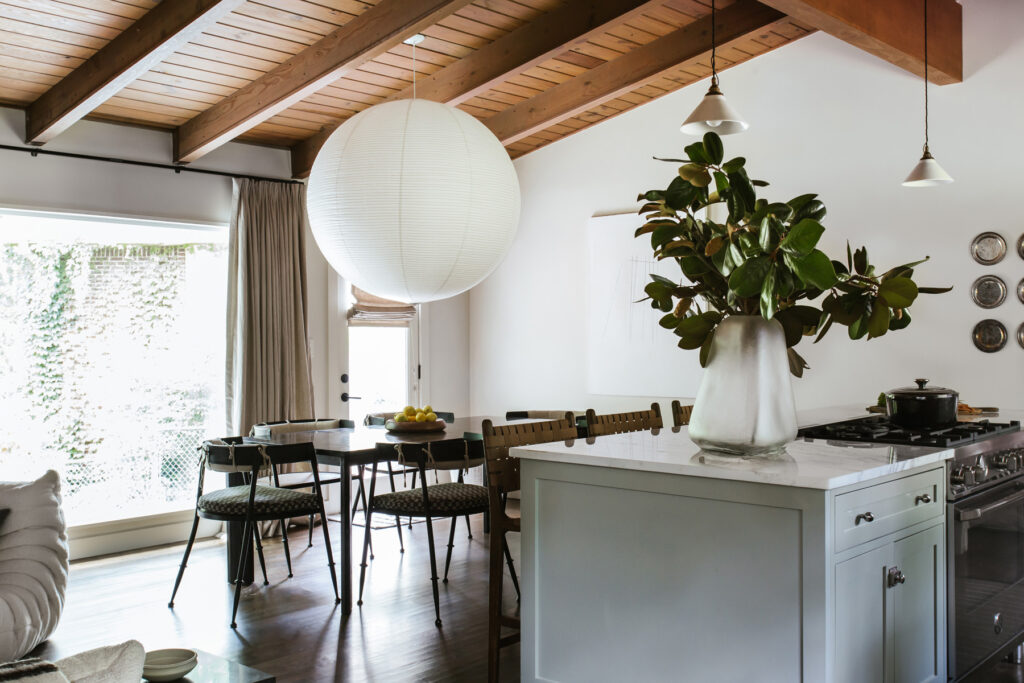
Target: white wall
[[827, 118]]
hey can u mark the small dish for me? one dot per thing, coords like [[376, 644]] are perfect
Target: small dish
[[990, 336], [988, 248], [168, 665], [988, 291]]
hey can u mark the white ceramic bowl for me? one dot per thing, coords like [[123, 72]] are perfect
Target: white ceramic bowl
[[168, 665]]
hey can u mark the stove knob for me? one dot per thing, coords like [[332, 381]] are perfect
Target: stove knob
[[962, 475], [978, 474], [1007, 461]]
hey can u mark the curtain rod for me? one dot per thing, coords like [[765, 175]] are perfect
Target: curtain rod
[[35, 151]]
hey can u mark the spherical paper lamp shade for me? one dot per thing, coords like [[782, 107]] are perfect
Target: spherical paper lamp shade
[[413, 200]]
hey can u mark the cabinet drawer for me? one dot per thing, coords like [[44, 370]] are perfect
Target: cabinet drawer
[[875, 511]]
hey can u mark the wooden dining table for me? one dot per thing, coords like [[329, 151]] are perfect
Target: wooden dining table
[[346, 448]]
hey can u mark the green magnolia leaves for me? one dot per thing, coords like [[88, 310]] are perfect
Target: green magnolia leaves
[[763, 259]]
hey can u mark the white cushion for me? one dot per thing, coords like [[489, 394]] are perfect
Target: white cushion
[[33, 564]]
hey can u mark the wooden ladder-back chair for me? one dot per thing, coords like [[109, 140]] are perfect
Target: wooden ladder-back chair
[[681, 414], [502, 479], [620, 423]]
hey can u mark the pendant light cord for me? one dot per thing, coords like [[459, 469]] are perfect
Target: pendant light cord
[[925, 75], [414, 69], [714, 44]]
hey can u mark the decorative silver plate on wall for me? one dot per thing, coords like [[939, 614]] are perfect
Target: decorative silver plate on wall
[[1020, 335], [1020, 290], [988, 291], [988, 248], [1020, 246], [990, 336]]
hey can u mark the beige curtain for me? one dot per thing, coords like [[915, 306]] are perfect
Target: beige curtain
[[269, 374]]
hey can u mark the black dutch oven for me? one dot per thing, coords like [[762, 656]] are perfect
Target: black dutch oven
[[922, 407]]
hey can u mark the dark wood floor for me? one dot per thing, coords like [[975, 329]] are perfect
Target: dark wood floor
[[292, 628]]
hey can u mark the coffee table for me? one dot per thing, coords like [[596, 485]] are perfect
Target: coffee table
[[214, 669]]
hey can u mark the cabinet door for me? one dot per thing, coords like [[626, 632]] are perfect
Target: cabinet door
[[860, 617], [919, 633]]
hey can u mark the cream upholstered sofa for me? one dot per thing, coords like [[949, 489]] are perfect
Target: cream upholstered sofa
[[33, 564], [33, 584]]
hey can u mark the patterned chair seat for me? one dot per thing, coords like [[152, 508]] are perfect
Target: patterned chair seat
[[269, 499], [451, 499]]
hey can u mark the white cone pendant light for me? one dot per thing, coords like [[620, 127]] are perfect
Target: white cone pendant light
[[714, 114], [927, 172]]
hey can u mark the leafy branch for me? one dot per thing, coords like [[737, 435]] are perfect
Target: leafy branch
[[763, 260]]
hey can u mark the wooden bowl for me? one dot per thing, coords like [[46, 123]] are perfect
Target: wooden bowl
[[435, 426]]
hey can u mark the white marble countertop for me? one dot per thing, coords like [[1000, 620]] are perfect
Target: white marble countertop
[[805, 463]]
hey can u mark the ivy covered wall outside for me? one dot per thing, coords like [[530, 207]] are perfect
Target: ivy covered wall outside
[[111, 370]]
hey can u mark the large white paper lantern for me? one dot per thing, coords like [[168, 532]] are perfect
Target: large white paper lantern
[[413, 200]]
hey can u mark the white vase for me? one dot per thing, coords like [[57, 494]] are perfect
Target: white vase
[[745, 403]]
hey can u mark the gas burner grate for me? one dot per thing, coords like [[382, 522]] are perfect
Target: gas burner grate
[[878, 429]]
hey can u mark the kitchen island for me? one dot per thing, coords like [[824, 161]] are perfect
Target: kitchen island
[[647, 559]]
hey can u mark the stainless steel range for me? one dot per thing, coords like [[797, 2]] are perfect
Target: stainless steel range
[[985, 527]]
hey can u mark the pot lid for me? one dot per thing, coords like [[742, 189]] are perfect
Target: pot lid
[[922, 391]]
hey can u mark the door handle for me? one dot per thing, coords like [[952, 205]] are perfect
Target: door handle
[[924, 498], [865, 516], [345, 397]]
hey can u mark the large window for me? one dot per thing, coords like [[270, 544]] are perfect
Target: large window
[[111, 358]]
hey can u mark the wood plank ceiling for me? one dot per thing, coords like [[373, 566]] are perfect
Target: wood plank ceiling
[[566, 64]]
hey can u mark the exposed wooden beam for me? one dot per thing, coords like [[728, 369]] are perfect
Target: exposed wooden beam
[[527, 46], [628, 72], [370, 34], [133, 52], [892, 30]]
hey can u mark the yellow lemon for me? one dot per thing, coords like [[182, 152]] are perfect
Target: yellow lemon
[[401, 417], [431, 417], [427, 409], [410, 411], [421, 416]]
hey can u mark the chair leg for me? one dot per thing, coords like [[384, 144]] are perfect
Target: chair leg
[[413, 486], [362, 565], [360, 496], [284, 540], [398, 525], [259, 551], [184, 559], [433, 572], [242, 562], [469, 528], [310, 540], [451, 544], [511, 566], [330, 553], [496, 578]]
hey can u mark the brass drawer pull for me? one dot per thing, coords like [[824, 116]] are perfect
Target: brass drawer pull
[[923, 498], [866, 516]]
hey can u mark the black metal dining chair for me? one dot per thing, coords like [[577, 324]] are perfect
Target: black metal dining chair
[[303, 479], [252, 502], [431, 501]]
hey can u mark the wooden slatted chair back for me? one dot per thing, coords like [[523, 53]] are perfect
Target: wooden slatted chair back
[[502, 468], [681, 414], [620, 423]]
